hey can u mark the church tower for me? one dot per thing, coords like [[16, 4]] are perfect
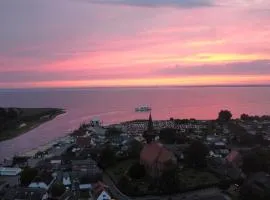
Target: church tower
[[150, 127], [149, 134]]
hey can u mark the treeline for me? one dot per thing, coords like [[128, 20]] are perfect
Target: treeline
[[247, 117], [11, 118]]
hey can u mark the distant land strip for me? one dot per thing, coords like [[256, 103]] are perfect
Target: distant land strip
[[17, 121]]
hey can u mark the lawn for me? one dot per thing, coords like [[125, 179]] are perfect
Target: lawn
[[193, 178], [118, 170]]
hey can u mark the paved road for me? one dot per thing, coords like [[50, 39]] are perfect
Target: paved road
[[183, 196]]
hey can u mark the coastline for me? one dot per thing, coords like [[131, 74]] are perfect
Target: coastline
[[11, 134], [44, 147]]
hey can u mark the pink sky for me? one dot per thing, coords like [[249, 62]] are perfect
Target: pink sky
[[77, 43]]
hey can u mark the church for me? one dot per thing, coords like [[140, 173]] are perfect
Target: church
[[155, 158]]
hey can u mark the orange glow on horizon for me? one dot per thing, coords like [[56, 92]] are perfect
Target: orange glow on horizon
[[176, 81]]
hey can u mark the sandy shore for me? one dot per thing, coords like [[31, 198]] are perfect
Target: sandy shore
[[32, 152]]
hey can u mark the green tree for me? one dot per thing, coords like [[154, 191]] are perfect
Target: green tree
[[125, 185], [107, 157], [244, 117], [256, 161], [27, 175], [224, 115], [167, 135], [3, 114], [135, 149], [169, 182], [136, 171], [13, 113], [196, 154], [57, 189]]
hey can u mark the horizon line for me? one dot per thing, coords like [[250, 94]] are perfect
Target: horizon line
[[137, 87]]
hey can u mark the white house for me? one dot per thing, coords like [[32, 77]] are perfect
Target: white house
[[9, 171], [104, 196], [85, 186], [43, 181]]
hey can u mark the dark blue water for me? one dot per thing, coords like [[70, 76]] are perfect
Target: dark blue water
[[115, 105]]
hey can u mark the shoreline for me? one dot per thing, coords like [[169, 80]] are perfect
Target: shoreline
[[44, 147], [11, 134]]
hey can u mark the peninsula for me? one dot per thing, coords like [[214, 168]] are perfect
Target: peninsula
[[17, 121]]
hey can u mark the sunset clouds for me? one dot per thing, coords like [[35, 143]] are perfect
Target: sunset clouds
[[76, 43]]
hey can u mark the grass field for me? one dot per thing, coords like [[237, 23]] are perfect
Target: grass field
[[190, 178], [193, 178], [117, 171]]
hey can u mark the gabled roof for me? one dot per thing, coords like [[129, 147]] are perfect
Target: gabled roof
[[83, 141], [98, 188], [104, 196], [155, 152], [233, 156]]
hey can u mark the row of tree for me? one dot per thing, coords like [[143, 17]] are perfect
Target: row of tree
[[247, 117]]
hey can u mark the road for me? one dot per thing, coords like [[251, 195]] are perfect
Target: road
[[116, 193]]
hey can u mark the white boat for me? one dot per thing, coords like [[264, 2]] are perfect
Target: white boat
[[143, 109]]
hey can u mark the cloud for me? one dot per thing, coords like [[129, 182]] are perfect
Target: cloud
[[259, 67], [157, 3]]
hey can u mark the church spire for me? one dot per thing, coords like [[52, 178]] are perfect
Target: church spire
[[149, 134], [150, 124]]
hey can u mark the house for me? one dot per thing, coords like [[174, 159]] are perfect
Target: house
[[9, 171], [88, 166], [104, 196], [99, 192], [117, 140], [26, 194], [85, 182], [83, 142], [257, 187], [219, 149], [56, 160], [64, 178], [100, 131], [157, 159], [44, 180]]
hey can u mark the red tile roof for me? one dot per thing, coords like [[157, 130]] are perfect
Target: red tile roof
[[98, 188], [234, 158], [83, 141], [155, 152]]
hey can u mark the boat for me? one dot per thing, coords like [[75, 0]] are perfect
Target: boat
[[144, 108]]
